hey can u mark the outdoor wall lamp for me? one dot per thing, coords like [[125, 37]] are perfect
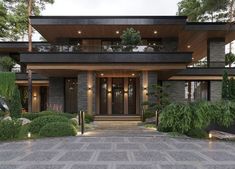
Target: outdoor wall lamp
[[109, 91], [126, 91], [89, 88], [145, 88], [35, 96]]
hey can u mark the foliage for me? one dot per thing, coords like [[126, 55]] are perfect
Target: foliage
[[176, 117], [7, 87], [74, 122], [149, 114], [204, 10], [197, 133], [15, 104], [9, 129], [193, 118], [58, 129], [38, 123], [130, 38], [17, 16], [89, 118], [229, 59], [159, 99], [232, 88], [225, 86], [7, 63], [32, 116], [3, 20]]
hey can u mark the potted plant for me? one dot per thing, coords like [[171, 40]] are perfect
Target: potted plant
[[6, 63], [130, 39]]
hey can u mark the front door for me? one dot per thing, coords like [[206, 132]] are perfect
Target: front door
[[117, 96]]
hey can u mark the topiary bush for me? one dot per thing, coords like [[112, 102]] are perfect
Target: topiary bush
[[58, 129], [9, 129], [15, 104], [32, 116], [36, 125]]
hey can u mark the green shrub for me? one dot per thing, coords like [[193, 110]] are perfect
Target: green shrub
[[7, 63], [58, 129], [40, 122], [9, 129], [15, 104], [197, 133], [176, 117], [149, 114], [32, 116], [88, 118], [74, 122]]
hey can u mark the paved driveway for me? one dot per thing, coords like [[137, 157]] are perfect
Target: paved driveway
[[159, 152]]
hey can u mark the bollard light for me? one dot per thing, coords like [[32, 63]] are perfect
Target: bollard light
[[29, 135], [210, 135]]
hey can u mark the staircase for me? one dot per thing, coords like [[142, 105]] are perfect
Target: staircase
[[118, 118]]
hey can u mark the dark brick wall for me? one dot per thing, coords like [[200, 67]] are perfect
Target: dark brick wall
[[152, 80], [175, 90], [56, 93], [82, 91]]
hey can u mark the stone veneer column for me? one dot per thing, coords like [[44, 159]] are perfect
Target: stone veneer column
[[216, 53], [152, 80], [82, 91], [56, 93], [175, 90]]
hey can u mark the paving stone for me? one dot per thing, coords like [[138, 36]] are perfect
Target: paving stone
[[9, 166], [128, 146], [178, 167], [71, 146], [114, 139], [86, 166], [112, 156], [185, 156], [186, 146], [9, 155], [157, 146], [13, 146], [220, 155], [140, 139], [40, 146], [219, 166], [214, 146], [39, 156], [132, 166], [149, 156], [99, 146], [76, 156], [90, 139], [41, 166]]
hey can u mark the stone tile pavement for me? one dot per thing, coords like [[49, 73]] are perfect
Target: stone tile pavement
[[123, 152]]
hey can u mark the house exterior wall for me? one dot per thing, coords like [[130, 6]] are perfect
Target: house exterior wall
[[215, 90], [175, 90], [56, 93], [169, 44]]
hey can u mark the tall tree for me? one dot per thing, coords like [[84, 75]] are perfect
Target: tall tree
[[225, 86], [17, 11], [3, 20]]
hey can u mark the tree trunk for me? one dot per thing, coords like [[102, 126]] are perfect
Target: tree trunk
[[29, 26]]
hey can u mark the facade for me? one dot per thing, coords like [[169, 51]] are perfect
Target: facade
[[83, 66]]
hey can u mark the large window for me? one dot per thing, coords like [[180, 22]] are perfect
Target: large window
[[196, 90]]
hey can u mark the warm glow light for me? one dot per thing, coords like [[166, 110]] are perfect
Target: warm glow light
[[35, 96], [210, 135], [145, 88], [193, 58], [117, 32], [155, 32], [188, 46], [101, 74], [89, 88], [133, 74], [79, 32], [29, 135]]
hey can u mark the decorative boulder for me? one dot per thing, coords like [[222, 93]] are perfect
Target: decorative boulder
[[7, 118], [24, 121]]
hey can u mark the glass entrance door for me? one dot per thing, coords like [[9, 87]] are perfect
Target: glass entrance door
[[117, 96]]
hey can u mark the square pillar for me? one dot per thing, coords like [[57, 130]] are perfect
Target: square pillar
[[56, 94], [82, 91]]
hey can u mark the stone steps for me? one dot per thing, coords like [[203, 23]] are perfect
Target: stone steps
[[117, 118]]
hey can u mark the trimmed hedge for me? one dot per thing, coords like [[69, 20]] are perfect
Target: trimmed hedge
[[9, 129], [58, 129], [32, 116], [36, 125]]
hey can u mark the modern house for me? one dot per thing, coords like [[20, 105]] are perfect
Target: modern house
[[83, 66]]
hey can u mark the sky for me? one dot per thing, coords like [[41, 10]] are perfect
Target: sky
[[112, 7]]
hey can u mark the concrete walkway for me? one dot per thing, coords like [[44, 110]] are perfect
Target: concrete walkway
[[156, 152]]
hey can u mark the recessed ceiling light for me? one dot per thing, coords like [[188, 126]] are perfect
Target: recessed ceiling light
[[117, 32], [189, 46], [101, 74], [193, 58], [133, 74], [155, 32], [79, 32]]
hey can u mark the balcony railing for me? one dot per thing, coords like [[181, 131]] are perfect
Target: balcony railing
[[205, 64], [103, 48]]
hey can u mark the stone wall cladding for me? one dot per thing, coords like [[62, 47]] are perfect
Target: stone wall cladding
[[56, 93], [82, 91], [152, 80], [176, 90], [215, 90], [94, 93]]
